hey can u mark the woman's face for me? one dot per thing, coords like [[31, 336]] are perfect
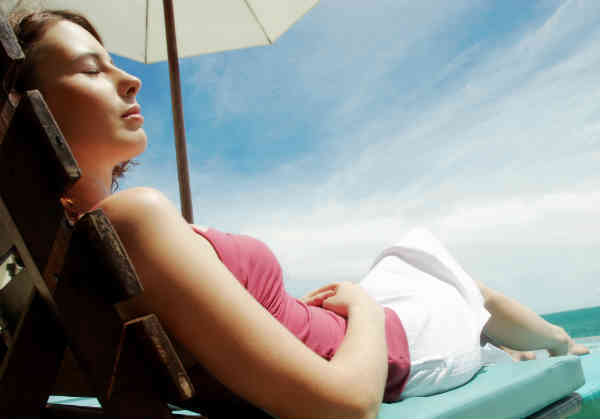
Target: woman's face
[[93, 101]]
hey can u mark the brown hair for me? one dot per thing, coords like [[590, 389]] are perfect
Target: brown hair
[[30, 27]]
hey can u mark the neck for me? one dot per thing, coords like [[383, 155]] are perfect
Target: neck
[[88, 191]]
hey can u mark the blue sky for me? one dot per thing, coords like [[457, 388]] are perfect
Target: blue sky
[[477, 119]]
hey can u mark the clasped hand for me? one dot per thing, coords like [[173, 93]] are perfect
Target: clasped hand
[[340, 297]]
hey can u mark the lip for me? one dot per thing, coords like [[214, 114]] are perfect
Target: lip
[[133, 117], [134, 111]]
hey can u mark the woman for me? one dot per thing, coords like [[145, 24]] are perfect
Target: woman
[[218, 295]]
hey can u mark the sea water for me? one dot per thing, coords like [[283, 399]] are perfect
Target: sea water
[[580, 323], [584, 326]]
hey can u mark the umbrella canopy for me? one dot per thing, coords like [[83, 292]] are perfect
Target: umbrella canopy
[[154, 30], [136, 28]]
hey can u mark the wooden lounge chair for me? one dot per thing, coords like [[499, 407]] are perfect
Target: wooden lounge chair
[[61, 330]]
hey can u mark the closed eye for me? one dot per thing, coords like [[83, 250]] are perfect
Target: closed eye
[[90, 62]]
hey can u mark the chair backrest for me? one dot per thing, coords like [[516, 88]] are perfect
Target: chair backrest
[[60, 282], [32, 339]]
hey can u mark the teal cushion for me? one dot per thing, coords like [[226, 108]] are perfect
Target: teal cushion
[[591, 369], [499, 391]]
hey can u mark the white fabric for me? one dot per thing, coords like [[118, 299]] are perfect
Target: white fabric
[[136, 28], [441, 309]]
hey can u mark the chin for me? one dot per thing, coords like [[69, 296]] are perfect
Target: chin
[[137, 143], [143, 140]]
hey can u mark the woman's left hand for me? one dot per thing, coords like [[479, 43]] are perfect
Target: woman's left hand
[[316, 297], [341, 298]]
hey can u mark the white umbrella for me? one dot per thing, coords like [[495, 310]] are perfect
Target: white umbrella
[[137, 29]]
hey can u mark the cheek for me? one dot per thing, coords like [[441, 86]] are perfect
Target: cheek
[[58, 107], [80, 115]]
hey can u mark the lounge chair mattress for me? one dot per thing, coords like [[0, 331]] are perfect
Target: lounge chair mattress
[[497, 391], [591, 369], [508, 390]]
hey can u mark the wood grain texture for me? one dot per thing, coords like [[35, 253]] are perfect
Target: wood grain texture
[[31, 363], [72, 278], [120, 281], [146, 337], [135, 391], [71, 380], [36, 166], [11, 50], [57, 411], [133, 368]]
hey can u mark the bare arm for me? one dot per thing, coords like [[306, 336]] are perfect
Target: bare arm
[[350, 300], [213, 317]]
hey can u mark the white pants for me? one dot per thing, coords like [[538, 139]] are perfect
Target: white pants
[[441, 309]]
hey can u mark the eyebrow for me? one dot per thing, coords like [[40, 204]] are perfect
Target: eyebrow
[[95, 55]]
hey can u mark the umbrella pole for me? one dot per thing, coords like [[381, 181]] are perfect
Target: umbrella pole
[[176, 102]]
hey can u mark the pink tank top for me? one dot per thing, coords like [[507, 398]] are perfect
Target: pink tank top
[[257, 269]]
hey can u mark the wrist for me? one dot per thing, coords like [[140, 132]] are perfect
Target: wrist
[[367, 307], [560, 342]]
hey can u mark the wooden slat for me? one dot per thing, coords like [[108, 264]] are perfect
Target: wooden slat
[[87, 270], [5, 242], [10, 50], [33, 340], [150, 342], [36, 165], [133, 391], [19, 243], [37, 342], [92, 323], [8, 105], [5, 341], [15, 299], [31, 363], [120, 280], [58, 253], [96, 275], [11, 55], [58, 411], [71, 380], [564, 408]]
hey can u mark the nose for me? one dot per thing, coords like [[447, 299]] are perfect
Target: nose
[[129, 85]]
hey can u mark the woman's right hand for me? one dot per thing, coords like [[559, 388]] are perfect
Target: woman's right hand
[[340, 298]]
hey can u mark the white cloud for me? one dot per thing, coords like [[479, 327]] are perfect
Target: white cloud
[[506, 159], [496, 151], [562, 217]]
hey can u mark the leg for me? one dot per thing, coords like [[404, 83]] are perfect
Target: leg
[[518, 327]]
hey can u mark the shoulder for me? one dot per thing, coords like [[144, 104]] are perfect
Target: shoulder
[[138, 205], [138, 199], [142, 213]]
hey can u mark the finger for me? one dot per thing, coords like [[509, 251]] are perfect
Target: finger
[[323, 289], [333, 304], [317, 300]]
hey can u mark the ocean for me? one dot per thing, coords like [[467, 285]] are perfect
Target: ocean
[[580, 323]]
